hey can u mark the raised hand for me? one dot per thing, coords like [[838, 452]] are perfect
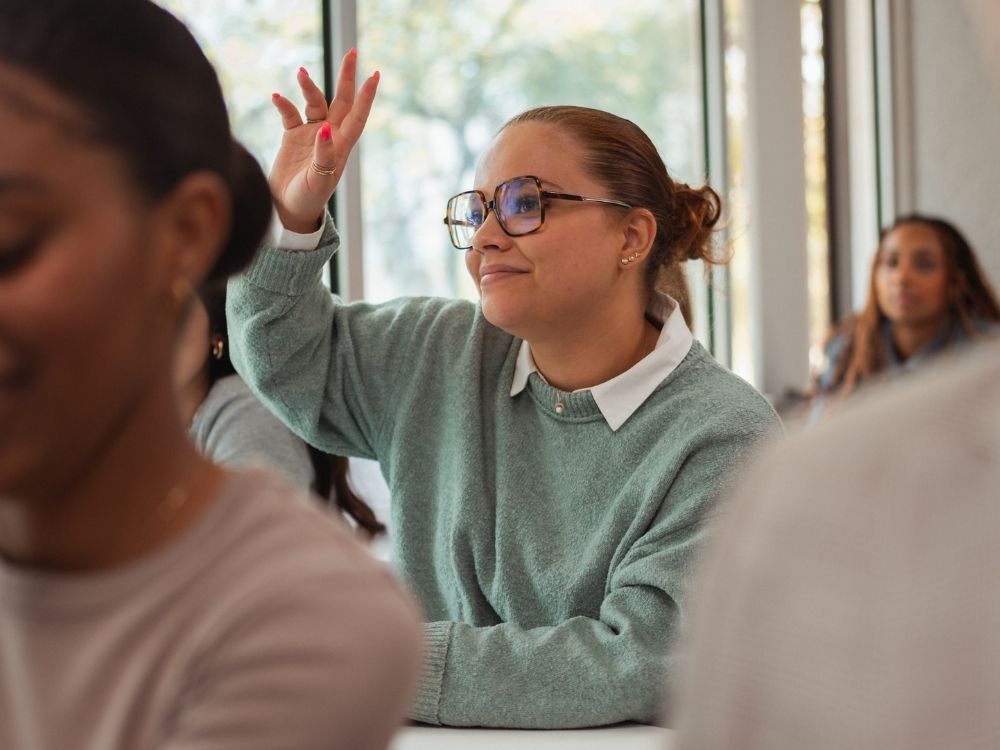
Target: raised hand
[[314, 151]]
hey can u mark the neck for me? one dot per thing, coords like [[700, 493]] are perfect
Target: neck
[[587, 355], [145, 487], [909, 338], [193, 394]]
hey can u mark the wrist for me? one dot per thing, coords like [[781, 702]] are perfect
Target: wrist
[[295, 238], [300, 225]]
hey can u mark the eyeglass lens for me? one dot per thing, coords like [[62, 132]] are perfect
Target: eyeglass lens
[[518, 204]]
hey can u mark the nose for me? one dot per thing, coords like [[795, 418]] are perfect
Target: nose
[[490, 235], [902, 273]]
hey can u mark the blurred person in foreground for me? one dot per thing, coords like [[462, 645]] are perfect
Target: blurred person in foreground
[[148, 598], [851, 598]]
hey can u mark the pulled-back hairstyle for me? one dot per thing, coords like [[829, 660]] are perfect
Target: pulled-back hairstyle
[[621, 156], [147, 92], [970, 300]]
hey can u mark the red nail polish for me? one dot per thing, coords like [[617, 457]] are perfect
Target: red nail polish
[[377, 76], [275, 96], [324, 131], [353, 52], [304, 72]]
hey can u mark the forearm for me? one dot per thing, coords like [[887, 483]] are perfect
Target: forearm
[[278, 307], [582, 672], [284, 342]]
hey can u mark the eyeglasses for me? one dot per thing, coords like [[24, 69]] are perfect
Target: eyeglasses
[[518, 203]]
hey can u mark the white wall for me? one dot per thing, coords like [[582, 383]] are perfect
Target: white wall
[[954, 79]]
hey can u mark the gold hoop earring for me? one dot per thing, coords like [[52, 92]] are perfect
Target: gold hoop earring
[[218, 346], [629, 259]]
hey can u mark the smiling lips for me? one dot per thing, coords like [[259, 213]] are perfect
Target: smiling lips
[[492, 273]]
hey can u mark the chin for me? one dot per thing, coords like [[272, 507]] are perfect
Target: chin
[[503, 315], [915, 318]]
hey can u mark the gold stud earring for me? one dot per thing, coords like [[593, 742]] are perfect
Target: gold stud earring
[[629, 259]]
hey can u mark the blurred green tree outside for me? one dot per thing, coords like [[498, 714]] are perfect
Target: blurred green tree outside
[[452, 73]]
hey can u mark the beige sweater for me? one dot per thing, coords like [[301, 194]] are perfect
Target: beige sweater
[[265, 626], [851, 599]]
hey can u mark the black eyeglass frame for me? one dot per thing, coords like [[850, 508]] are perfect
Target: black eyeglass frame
[[491, 206]]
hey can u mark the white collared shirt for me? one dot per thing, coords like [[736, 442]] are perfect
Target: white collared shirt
[[286, 239], [619, 397]]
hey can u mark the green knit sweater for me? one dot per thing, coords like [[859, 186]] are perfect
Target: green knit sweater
[[550, 553]]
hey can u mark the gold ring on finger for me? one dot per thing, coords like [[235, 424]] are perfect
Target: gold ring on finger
[[313, 120], [320, 169]]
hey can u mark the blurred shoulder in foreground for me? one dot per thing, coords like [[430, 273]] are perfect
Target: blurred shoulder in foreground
[[851, 599]]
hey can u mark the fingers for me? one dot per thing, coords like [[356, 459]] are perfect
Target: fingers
[[347, 113], [353, 125], [326, 160], [343, 98], [290, 117], [316, 108]]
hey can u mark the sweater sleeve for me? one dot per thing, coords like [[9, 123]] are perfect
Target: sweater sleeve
[[328, 369], [585, 671]]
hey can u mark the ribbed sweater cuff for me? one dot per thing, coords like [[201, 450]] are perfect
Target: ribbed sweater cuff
[[427, 702], [291, 272]]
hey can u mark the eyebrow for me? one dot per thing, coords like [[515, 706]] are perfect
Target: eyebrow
[[927, 250], [548, 184]]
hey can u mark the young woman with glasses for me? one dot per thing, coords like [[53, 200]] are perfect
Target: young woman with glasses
[[554, 451], [148, 598]]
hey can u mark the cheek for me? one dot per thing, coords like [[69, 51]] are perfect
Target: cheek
[[583, 262], [78, 331], [881, 282], [938, 285], [83, 317], [472, 259]]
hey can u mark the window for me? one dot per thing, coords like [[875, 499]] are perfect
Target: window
[[452, 74], [814, 118], [256, 48], [817, 247], [741, 341]]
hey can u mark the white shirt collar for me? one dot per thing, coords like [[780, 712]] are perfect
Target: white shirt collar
[[619, 397]]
